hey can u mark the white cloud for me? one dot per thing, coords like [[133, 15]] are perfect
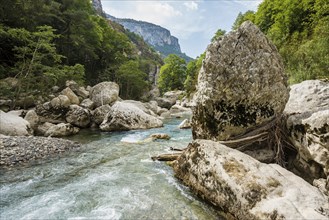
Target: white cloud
[[191, 5], [157, 12], [152, 11], [193, 22], [249, 4]]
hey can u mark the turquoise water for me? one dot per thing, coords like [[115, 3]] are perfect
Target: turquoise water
[[111, 177]]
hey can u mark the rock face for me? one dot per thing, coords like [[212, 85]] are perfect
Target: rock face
[[155, 35], [127, 116], [17, 150], [13, 125], [104, 93], [241, 85], [246, 188], [308, 123], [97, 4]]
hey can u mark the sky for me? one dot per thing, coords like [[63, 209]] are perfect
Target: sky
[[194, 23]]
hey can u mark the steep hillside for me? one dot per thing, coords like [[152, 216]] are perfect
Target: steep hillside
[[155, 35]]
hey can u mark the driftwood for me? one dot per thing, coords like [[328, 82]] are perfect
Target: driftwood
[[177, 149], [166, 157]]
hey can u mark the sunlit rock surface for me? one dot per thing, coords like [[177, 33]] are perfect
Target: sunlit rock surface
[[241, 85], [246, 188]]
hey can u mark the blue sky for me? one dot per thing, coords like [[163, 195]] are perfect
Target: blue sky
[[192, 22]]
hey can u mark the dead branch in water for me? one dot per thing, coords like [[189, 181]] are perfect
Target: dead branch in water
[[166, 157]]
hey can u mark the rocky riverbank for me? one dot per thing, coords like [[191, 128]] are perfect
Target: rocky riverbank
[[72, 109], [17, 150], [243, 101]]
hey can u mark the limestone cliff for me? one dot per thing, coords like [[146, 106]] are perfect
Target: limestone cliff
[[98, 6], [155, 35]]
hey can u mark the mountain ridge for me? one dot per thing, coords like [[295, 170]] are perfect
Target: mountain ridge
[[158, 37]]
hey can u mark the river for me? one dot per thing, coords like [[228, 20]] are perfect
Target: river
[[111, 177]]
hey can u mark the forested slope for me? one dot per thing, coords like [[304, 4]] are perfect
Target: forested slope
[[300, 30], [43, 43]]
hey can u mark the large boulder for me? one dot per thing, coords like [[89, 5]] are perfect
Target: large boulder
[[246, 188], [127, 116], [180, 110], [104, 93], [78, 90], [143, 106], [78, 116], [74, 99], [241, 85], [87, 103], [165, 102], [98, 115], [13, 125], [61, 130], [43, 128], [54, 111], [61, 101], [307, 113], [32, 117]]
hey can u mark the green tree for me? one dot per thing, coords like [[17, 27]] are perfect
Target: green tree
[[247, 16], [172, 74], [37, 64], [192, 72], [299, 29], [132, 81], [219, 33]]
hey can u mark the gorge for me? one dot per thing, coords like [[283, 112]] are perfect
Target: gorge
[[244, 144]]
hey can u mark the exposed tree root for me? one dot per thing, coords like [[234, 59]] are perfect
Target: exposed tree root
[[272, 134]]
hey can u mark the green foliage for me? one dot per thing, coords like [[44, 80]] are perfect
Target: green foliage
[[218, 34], [45, 43], [299, 29], [172, 74], [192, 72], [132, 81], [247, 16], [37, 65]]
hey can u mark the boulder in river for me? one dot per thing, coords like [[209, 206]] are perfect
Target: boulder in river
[[78, 116], [13, 125], [126, 116], [241, 85], [307, 113], [246, 188], [98, 115], [61, 130], [146, 107], [163, 136], [104, 93]]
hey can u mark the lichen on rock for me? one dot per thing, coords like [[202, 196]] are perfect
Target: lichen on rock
[[241, 85]]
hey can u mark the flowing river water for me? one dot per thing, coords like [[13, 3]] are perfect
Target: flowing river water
[[111, 177]]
